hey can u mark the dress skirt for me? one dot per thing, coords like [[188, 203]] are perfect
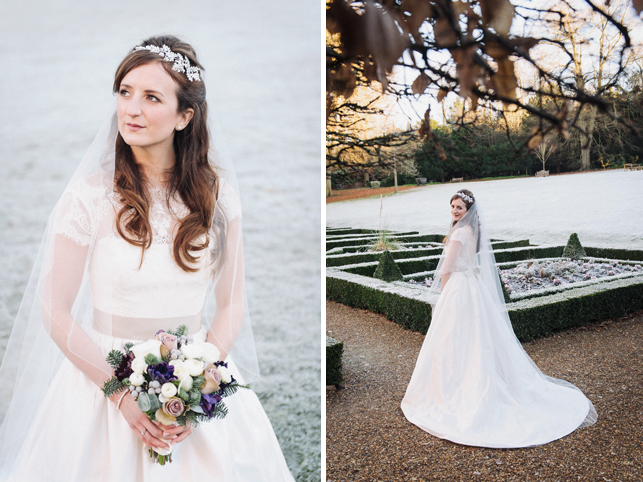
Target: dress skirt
[[79, 435], [474, 384]]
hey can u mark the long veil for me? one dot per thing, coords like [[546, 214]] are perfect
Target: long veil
[[482, 265], [60, 308]]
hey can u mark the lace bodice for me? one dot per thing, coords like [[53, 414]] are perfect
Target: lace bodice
[[123, 285]]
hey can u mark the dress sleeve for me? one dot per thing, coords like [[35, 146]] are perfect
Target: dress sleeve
[[75, 213], [228, 201]]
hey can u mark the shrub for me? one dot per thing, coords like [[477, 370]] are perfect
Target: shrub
[[408, 312], [334, 371], [574, 249], [388, 270]]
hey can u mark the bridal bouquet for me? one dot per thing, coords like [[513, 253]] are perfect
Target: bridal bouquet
[[176, 379]]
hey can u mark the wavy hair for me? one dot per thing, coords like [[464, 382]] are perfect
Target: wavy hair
[[192, 178]]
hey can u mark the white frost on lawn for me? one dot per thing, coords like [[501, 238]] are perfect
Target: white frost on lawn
[[605, 208]]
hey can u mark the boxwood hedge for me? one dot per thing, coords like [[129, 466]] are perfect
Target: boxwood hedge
[[410, 313], [531, 318], [615, 253], [334, 372]]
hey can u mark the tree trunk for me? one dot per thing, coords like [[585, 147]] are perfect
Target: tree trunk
[[586, 144], [395, 175], [329, 188]]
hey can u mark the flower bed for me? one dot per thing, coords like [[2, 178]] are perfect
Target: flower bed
[[613, 288], [560, 272]]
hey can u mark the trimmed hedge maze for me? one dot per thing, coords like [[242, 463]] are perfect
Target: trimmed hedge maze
[[349, 280]]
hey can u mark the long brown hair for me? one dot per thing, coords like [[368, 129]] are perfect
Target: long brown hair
[[192, 177]]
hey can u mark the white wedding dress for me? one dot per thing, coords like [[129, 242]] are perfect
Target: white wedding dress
[[78, 434], [473, 383]]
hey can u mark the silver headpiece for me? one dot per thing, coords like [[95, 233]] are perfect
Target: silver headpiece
[[464, 196], [181, 63]]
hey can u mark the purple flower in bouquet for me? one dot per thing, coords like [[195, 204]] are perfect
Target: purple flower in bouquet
[[162, 372], [209, 403], [124, 370]]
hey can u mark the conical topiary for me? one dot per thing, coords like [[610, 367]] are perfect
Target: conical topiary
[[388, 270], [574, 249]]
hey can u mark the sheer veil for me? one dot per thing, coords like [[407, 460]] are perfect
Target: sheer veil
[[61, 305]]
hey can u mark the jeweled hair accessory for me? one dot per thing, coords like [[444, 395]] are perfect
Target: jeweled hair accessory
[[464, 196], [181, 63]]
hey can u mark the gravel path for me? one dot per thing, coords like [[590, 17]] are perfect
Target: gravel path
[[368, 438]]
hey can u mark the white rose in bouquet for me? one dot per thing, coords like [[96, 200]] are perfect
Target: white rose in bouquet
[[186, 383], [225, 374], [180, 370], [211, 353], [139, 366], [143, 349], [136, 379], [192, 350], [168, 390], [194, 367]]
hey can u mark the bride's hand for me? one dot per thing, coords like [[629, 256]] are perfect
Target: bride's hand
[[177, 433], [146, 430]]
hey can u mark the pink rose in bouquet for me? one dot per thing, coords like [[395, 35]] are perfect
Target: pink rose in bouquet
[[212, 381], [174, 407], [168, 342]]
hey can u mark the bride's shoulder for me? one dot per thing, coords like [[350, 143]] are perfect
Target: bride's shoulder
[[80, 207], [86, 189]]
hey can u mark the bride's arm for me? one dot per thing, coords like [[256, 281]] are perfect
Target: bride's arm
[[60, 288], [62, 280], [452, 254]]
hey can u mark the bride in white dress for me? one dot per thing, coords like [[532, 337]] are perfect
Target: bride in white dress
[[473, 383], [146, 237]]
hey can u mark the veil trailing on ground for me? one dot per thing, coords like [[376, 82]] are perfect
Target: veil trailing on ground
[[63, 302]]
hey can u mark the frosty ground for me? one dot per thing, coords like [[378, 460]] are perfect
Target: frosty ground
[[263, 80], [605, 208]]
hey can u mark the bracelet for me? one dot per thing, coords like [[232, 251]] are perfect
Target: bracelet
[[118, 405]]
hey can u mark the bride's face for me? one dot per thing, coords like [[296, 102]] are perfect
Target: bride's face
[[458, 209], [147, 107]]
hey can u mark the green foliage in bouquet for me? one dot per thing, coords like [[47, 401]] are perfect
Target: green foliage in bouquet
[[181, 330], [112, 386], [197, 381], [127, 347], [151, 359], [114, 358], [232, 389]]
